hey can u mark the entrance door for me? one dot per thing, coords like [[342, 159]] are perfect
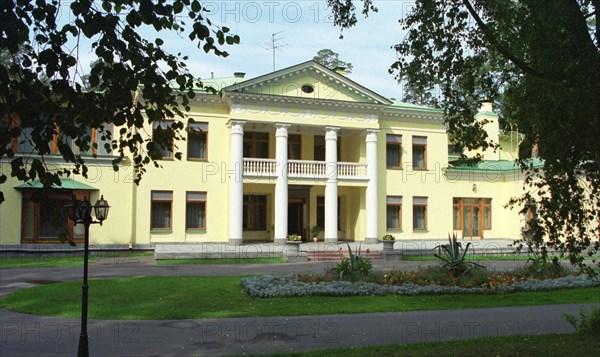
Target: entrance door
[[296, 217], [471, 219]]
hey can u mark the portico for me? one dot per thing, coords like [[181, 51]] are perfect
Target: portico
[[283, 172]]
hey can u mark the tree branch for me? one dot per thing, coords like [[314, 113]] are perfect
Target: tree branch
[[504, 51]]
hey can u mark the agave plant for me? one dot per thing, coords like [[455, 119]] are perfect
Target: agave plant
[[453, 257], [354, 267]]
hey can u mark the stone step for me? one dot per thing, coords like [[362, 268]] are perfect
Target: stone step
[[336, 256]]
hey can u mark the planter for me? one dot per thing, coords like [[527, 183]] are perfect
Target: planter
[[388, 244], [294, 245], [315, 239]]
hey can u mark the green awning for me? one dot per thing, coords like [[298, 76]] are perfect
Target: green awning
[[67, 184]]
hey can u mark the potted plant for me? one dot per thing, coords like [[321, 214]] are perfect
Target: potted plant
[[315, 230], [388, 241], [294, 241]]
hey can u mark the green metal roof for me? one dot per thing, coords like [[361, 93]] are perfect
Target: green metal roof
[[403, 105], [67, 184], [489, 165], [486, 112]]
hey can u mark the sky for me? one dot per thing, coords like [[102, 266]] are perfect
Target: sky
[[304, 27], [307, 27]]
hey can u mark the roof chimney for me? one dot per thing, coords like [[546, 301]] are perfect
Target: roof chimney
[[239, 74]]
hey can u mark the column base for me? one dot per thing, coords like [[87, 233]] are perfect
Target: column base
[[371, 241], [235, 241], [280, 241], [331, 240]]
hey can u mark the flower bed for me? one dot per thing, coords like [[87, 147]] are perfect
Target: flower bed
[[290, 285]]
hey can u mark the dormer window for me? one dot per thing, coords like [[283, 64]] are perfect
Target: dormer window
[[307, 88]]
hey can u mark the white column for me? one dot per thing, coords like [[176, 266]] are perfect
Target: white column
[[236, 182], [281, 185], [371, 202], [331, 195]]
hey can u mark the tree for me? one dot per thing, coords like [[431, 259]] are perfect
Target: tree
[[419, 96], [331, 60], [132, 77], [541, 59]]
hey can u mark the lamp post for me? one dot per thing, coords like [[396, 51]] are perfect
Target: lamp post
[[81, 212]]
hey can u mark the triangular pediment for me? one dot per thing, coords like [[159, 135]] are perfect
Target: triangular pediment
[[308, 80]]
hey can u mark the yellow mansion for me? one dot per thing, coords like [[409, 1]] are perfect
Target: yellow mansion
[[280, 154]]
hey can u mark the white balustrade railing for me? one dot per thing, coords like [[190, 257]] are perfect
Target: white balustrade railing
[[259, 167], [352, 170], [304, 169]]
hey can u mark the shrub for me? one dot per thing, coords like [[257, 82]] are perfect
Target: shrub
[[388, 237], [589, 323], [453, 257], [294, 238], [539, 267], [353, 268]]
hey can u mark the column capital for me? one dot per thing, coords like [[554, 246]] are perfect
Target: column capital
[[236, 126], [331, 132], [281, 129], [371, 135]]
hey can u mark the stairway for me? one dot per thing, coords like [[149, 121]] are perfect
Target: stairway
[[337, 255]]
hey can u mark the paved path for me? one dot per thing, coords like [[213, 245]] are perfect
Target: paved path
[[27, 335]]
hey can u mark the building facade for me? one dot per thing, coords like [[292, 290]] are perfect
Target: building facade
[[280, 154]]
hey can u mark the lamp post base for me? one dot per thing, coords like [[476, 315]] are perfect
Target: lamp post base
[[84, 350]]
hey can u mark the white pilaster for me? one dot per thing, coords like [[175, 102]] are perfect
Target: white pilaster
[[236, 182], [331, 189], [371, 201], [281, 185]]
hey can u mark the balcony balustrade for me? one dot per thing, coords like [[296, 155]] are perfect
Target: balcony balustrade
[[302, 169]]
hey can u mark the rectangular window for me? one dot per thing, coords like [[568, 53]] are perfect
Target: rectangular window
[[195, 210], [197, 141], [294, 146], [256, 145], [419, 153], [456, 213], [487, 213], [99, 140], [393, 151], [394, 212], [255, 213], [420, 213], [319, 146], [43, 221], [162, 136], [161, 209]]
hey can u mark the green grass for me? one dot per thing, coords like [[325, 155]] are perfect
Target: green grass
[[273, 260], [190, 297], [542, 345], [473, 258], [69, 261], [476, 258]]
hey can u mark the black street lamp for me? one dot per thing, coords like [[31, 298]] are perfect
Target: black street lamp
[[81, 212]]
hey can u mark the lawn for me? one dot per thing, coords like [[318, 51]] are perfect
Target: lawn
[[190, 297], [68, 261], [542, 345], [472, 258], [273, 260]]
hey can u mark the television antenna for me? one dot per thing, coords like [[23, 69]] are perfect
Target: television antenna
[[275, 45]]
